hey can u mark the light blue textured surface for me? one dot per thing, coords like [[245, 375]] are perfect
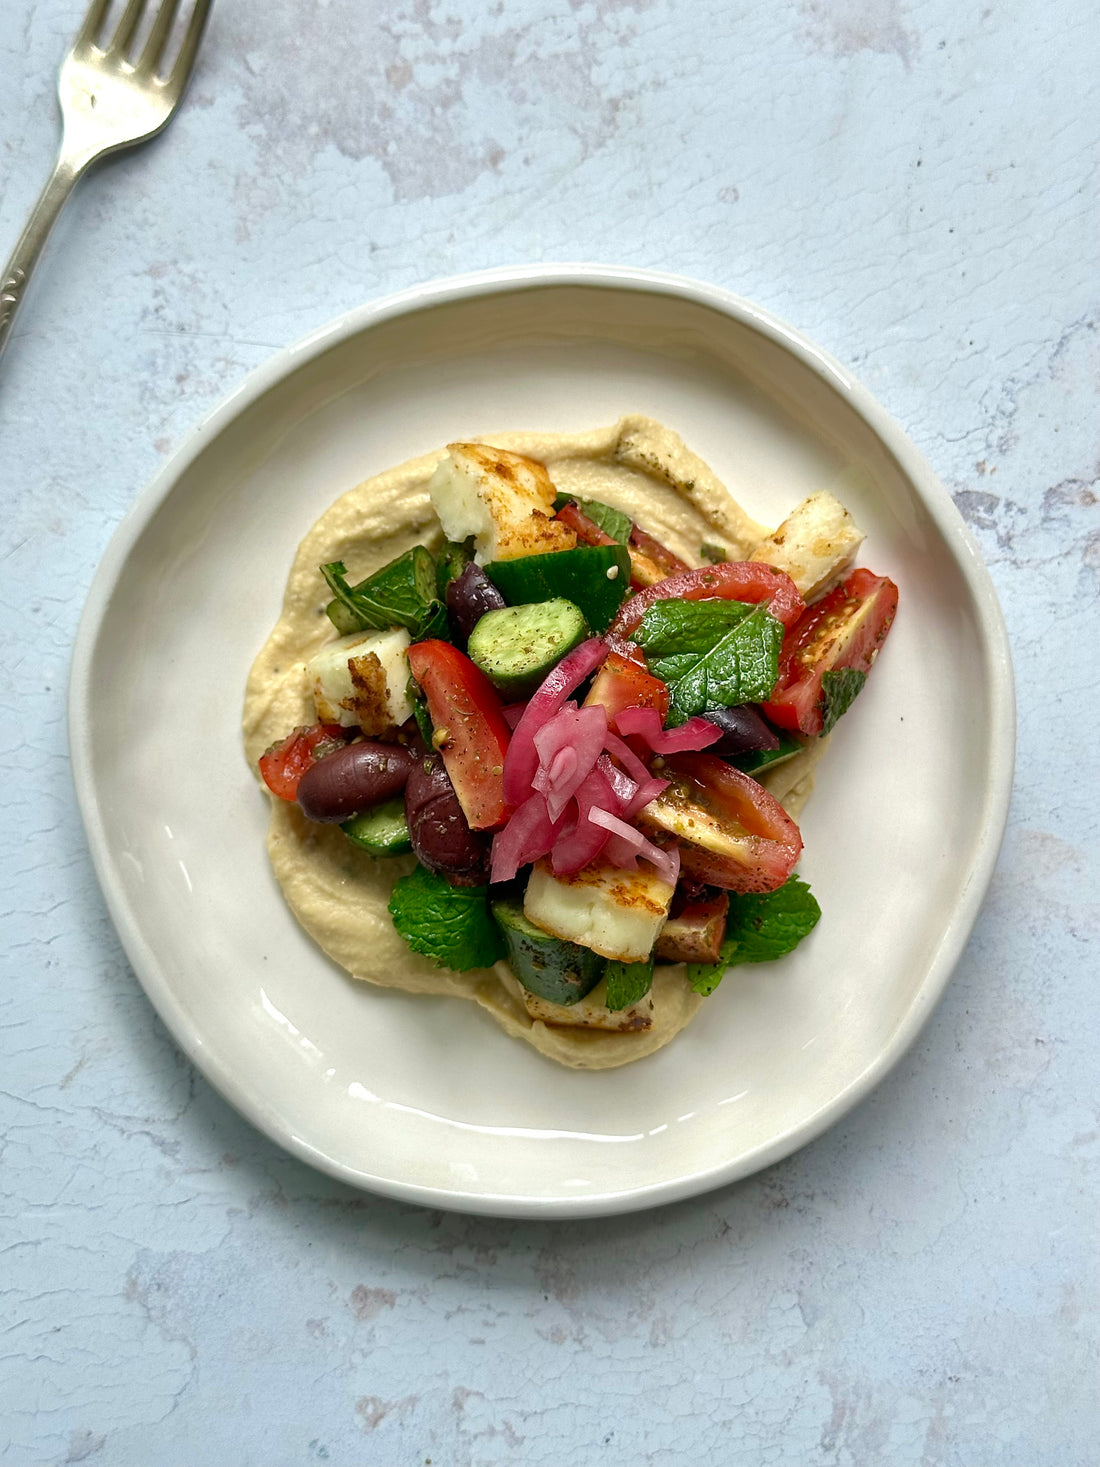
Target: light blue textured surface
[[912, 185]]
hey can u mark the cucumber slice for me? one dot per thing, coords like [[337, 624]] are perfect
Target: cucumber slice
[[382, 830], [583, 576], [516, 647], [560, 972], [343, 619], [453, 560], [769, 758]]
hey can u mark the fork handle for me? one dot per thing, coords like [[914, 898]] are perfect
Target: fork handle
[[17, 272]]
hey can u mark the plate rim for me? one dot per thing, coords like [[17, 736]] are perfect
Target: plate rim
[[997, 665]]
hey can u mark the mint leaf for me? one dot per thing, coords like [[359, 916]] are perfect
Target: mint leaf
[[670, 627], [401, 594], [449, 924], [433, 624], [766, 925], [712, 654], [611, 521], [705, 977], [760, 927], [838, 692], [627, 983]]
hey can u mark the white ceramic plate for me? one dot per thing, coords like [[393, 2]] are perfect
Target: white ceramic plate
[[426, 1099]]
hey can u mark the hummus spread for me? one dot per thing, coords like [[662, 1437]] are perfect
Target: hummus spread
[[337, 891]]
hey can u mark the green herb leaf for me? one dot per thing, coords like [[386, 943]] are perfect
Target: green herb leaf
[[672, 627], [434, 624], [712, 654], [759, 928], [611, 521], [714, 553], [401, 594], [420, 712], [627, 983], [451, 925], [705, 977], [838, 692]]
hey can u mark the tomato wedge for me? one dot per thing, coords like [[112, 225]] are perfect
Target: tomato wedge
[[732, 832], [621, 683], [283, 765], [842, 632], [650, 561], [734, 580], [587, 531], [656, 553], [463, 702]]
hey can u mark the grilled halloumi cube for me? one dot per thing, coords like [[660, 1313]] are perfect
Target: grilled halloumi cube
[[815, 544], [363, 681], [591, 1012], [616, 913], [694, 934], [504, 500]]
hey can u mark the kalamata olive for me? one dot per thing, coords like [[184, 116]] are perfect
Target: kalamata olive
[[469, 597], [441, 836], [743, 731], [351, 779]]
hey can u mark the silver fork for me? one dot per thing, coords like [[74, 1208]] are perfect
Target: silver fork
[[110, 99]]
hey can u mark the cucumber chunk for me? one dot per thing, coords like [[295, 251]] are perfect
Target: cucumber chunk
[[516, 648], [593, 577], [455, 556], [560, 972], [382, 830], [768, 758]]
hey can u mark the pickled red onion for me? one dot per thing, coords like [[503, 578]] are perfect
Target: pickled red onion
[[576, 785], [666, 862], [695, 734], [580, 846], [529, 834], [568, 746], [522, 760]]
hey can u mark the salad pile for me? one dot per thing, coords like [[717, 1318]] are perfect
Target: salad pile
[[568, 727]]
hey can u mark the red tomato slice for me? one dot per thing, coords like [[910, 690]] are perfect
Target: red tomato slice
[[734, 580], [732, 832], [587, 531], [659, 555], [462, 700], [621, 683], [283, 765], [844, 630], [650, 561]]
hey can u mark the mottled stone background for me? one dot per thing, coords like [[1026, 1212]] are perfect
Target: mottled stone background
[[914, 185]]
